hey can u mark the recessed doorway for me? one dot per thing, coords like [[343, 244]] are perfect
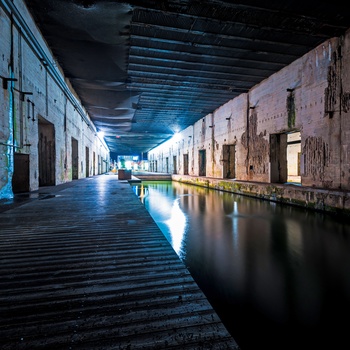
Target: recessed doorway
[[285, 154]]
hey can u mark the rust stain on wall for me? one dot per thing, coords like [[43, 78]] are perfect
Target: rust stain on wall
[[257, 147], [316, 156], [334, 93], [203, 129], [345, 101], [291, 109]]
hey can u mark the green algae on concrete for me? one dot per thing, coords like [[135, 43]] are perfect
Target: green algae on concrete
[[309, 198]]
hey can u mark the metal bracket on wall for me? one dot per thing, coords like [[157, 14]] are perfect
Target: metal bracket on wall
[[23, 93], [5, 81]]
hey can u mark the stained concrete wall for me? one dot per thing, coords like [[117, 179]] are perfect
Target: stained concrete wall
[[311, 95], [344, 114], [25, 57]]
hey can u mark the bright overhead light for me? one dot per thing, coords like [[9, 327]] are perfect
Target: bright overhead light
[[176, 137]]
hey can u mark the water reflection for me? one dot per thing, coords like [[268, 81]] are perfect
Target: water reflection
[[177, 225], [278, 276]]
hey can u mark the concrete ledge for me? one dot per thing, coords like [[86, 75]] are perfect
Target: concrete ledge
[[308, 197], [152, 176]]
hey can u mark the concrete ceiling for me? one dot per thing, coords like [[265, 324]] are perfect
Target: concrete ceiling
[[146, 69]]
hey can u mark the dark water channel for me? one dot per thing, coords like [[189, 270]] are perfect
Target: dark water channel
[[278, 276]]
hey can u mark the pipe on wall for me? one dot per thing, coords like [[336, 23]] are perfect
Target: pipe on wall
[[12, 11]]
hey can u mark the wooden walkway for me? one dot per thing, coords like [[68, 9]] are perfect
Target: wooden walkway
[[84, 266]]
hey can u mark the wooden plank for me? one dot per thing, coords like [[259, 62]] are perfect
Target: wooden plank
[[86, 267]]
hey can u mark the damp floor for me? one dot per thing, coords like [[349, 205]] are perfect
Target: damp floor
[[84, 266]]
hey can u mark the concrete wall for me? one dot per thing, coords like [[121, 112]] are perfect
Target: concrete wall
[[39, 109], [311, 95], [344, 114]]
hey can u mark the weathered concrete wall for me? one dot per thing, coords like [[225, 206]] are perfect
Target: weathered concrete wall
[[268, 114], [345, 115], [230, 123], [48, 98], [320, 127], [312, 95], [6, 110]]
